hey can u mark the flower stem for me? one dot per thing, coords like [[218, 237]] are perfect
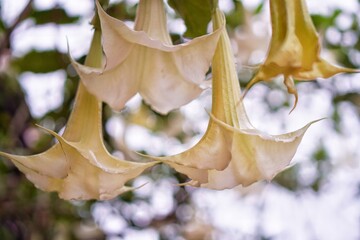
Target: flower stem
[[151, 18], [226, 88]]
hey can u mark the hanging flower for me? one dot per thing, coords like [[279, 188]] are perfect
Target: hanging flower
[[144, 60], [232, 152], [294, 51], [79, 166]]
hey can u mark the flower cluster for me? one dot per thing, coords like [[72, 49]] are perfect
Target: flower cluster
[[143, 60]]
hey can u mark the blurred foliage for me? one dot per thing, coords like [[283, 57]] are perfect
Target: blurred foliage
[[27, 213], [195, 13], [41, 61], [55, 15]]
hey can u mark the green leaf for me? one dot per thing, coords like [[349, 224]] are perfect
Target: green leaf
[[2, 27], [41, 61], [237, 16], [55, 15], [323, 22], [195, 13], [122, 11], [259, 8]]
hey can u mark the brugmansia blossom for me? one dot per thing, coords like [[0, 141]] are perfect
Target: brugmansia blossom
[[232, 152], [294, 51], [144, 60], [79, 166]]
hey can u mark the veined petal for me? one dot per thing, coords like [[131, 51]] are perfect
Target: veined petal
[[97, 177], [99, 157], [285, 52], [43, 182], [244, 154], [83, 180], [151, 18], [105, 85], [138, 61], [79, 166], [211, 152], [294, 51], [115, 30], [323, 69], [197, 176], [53, 162], [255, 156]]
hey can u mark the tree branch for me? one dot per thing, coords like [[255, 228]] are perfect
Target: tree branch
[[5, 41]]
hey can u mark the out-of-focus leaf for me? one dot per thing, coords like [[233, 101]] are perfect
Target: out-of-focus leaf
[[104, 3], [322, 21], [351, 97], [2, 27], [288, 178], [55, 15], [237, 16], [321, 154], [14, 114], [122, 11], [195, 13], [41, 61], [259, 8]]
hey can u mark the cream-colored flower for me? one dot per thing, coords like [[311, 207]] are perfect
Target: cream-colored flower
[[144, 60], [294, 51], [79, 166], [232, 152]]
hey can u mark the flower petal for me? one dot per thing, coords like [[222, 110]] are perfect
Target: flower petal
[[294, 51], [137, 62], [79, 166], [41, 181], [211, 152], [255, 156], [87, 181], [51, 163], [322, 69], [231, 141]]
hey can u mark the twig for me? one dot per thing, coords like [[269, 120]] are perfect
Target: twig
[[5, 41]]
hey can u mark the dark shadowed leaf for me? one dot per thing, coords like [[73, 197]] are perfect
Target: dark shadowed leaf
[[195, 13], [56, 15], [41, 61], [237, 16], [323, 22], [122, 11], [2, 26]]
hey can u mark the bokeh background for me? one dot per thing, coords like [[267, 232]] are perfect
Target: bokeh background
[[317, 198]]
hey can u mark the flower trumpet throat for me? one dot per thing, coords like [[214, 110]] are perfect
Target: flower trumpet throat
[[232, 152], [294, 50], [144, 60], [79, 166]]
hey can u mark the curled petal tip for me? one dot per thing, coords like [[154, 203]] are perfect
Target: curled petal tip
[[290, 85], [295, 103]]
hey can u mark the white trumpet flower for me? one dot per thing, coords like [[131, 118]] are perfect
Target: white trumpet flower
[[144, 60]]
